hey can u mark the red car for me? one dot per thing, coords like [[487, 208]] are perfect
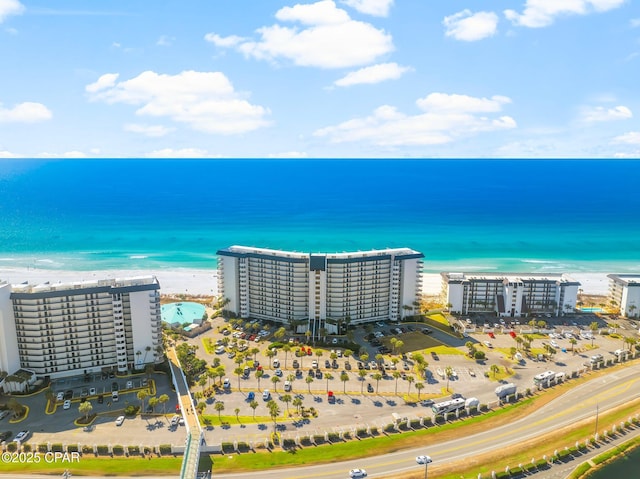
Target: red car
[[309, 352]]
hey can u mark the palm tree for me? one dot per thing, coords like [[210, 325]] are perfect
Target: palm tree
[[259, 374], [286, 399], [344, 377], [362, 373], [146, 351], [410, 379], [237, 411], [393, 342], [142, 395], [448, 371], [85, 408], [275, 380], [573, 342], [202, 381], [163, 399], [219, 406], [396, 375], [253, 405], [280, 333], [297, 402], [274, 411], [153, 402], [238, 372], [377, 377], [419, 387], [495, 369], [269, 353], [286, 348], [309, 380], [399, 344], [328, 376], [254, 352], [364, 357]]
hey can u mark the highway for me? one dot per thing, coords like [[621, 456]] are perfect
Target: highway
[[605, 392]]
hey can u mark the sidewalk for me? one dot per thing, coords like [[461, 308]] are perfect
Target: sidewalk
[[562, 469]]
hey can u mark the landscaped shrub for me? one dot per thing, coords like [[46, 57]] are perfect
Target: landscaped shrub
[[87, 449], [362, 432], [415, 423], [243, 447], [318, 439], [427, 422], [103, 450], [305, 441], [43, 448], [288, 443], [131, 410], [390, 427], [333, 437], [165, 448], [374, 430], [451, 416], [56, 447], [72, 448], [12, 447], [133, 450], [26, 448], [473, 410], [118, 450], [227, 447]]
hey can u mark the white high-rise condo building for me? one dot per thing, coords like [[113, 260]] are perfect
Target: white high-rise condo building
[[509, 294], [624, 293], [66, 329], [325, 289]]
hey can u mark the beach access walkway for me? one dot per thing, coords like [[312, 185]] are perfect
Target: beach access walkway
[[195, 436]]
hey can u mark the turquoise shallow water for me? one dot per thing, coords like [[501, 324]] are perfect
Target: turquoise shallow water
[[463, 215]]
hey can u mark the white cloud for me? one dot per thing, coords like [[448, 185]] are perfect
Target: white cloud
[[289, 154], [217, 40], [328, 38], [165, 41], [444, 118], [378, 8], [10, 7], [631, 138], [107, 80], [27, 112], [373, 74], [154, 131], [206, 101], [179, 153], [470, 27], [600, 113], [542, 13], [635, 22]]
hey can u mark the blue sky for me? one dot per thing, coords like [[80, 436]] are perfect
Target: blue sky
[[341, 78]]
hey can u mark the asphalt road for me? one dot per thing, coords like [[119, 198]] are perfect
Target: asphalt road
[[604, 392]]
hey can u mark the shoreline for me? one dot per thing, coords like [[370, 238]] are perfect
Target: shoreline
[[204, 282]]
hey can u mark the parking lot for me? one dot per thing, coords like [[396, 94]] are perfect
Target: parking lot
[[369, 395], [58, 426]]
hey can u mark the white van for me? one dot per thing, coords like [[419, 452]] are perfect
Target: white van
[[114, 396]]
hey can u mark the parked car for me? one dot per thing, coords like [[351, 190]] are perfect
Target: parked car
[[369, 388], [423, 460], [226, 383], [119, 420], [276, 363], [296, 364], [278, 372], [22, 436], [266, 395], [66, 404], [60, 396], [287, 386]]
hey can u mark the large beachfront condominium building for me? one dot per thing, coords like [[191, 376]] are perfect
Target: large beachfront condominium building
[[59, 330], [624, 293], [509, 295], [324, 289]]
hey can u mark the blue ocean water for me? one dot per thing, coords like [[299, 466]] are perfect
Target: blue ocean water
[[492, 215]]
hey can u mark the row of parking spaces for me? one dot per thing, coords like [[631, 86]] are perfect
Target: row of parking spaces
[[68, 393]]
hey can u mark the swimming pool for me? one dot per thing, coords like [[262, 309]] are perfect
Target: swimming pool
[[184, 312], [591, 310]]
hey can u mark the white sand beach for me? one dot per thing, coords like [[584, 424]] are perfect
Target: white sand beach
[[204, 282]]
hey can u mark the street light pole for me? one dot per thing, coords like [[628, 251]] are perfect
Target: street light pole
[[426, 469]]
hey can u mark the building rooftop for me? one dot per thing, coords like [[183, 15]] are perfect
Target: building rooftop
[[510, 277], [67, 286], [297, 254], [625, 279]]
